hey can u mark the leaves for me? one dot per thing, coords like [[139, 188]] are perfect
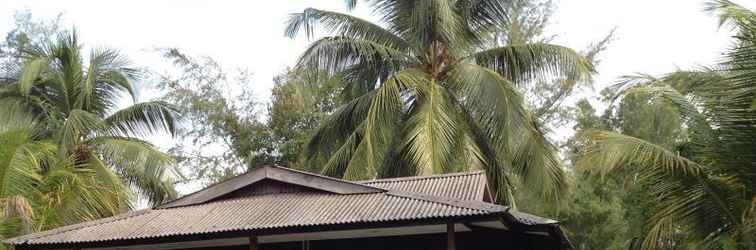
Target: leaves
[[433, 130], [701, 186], [427, 94], [31, 71], [336, 54], [343, 25], [141, 165], [613, 150], [60, 163], [534, 62], [144, 118]]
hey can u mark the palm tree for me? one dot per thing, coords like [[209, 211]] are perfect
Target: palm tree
[[704, 187], [98, 156], [39, 190], [430, 90], [20, 156]]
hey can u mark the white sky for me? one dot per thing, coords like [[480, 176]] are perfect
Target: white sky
[[653, 36]]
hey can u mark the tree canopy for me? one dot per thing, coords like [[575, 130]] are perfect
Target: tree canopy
[[78, 154], [702, 185], [431, 90]]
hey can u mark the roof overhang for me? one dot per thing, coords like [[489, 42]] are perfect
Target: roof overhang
[[320, 232]]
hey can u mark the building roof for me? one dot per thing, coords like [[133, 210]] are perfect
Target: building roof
[[287, 175], [273, 198], [464, 186]]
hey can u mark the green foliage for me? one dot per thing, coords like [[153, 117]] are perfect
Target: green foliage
[[300, 101], [594, 218], [526, 24], [227, 130], [699, 178], [69, 153], [221, 130], [27, 33], [593, 212], [430, 91]]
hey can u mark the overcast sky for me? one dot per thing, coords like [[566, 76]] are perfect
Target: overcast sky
[[653, 36]]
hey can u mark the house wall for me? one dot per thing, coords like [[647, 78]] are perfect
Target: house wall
[[478, 240]]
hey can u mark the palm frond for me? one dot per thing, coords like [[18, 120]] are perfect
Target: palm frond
[[76, 192], [107, 76], [484, 13], [32, 70], [685, 192], [731, 13], [77, 126], [342, 25], [433, 130], [385, 110], [143, 119], [146, 169], [534, 62], [330, 133], [21, 160], [335, 54], [477, 151], [338, 163], [510, 129], [350, 4], [610, 151]]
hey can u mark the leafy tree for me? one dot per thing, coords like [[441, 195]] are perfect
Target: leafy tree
[[525, 24], [702, 190], [221, 130], [593, 212], [40, 190], [27, 33], [301, 99], [19, 172], [227, 130], [430, 91], [69, 155], [77, 105]]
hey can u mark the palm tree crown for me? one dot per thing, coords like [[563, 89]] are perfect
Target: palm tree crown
[[430, 90], [83, 134]]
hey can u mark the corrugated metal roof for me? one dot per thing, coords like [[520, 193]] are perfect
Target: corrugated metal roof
[[465, 186], [286, 175], [263, 212], [322, 204], [529, 219]]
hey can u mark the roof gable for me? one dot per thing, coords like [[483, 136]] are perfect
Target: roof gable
[[237, 186]]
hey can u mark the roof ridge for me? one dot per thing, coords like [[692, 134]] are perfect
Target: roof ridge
[[63, 229], [450, 201], [210, 186], [423, 177], [326, 177]]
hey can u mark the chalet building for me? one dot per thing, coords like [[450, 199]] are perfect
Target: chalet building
[[273, 208]]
